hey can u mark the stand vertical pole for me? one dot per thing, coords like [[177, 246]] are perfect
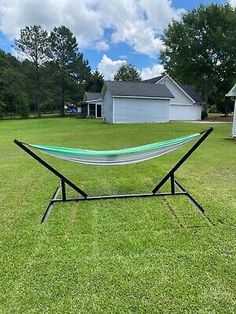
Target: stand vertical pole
[[63, 190], [172, 183]]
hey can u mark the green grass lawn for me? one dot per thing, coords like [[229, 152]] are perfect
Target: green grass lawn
[[116, 256]]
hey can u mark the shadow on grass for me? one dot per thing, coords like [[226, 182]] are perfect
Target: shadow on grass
[[230, 139]]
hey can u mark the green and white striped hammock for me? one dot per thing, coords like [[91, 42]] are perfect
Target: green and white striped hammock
[[116, 157]]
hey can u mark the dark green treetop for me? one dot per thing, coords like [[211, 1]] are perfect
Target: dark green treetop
[[127, 73]]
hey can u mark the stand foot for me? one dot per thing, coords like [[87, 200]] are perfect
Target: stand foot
[[195, 203]]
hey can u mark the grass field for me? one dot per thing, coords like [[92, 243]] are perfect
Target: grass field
[[116, 256]]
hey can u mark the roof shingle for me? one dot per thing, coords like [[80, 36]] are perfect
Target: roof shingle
[[191, 92], [91, 96], [154, 80], [138, 89]]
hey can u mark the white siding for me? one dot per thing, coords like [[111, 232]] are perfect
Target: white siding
[[234, 121], [185, 112], [180, 97], [181, 107], [107, 108], [135, 110]]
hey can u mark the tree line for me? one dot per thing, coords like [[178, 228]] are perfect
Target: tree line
[[52, 73], [200, 50]]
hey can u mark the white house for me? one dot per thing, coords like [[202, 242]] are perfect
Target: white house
[[134, 102], [232, 93], [92, 105], [160, 99], [186, 104]]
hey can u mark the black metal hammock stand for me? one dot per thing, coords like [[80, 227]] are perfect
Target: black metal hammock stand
[[118, 157]]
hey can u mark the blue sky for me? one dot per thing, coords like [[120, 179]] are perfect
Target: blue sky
[[110, 32]]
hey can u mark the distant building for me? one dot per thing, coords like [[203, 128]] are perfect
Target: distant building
[[135, 102], [232, 93], [160, 99]]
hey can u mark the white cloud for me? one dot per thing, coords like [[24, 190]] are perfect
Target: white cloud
[[142, 39], [108, 67], [102, 45], [135, 22], [82, 19], [147, 73], [233, 3], [144, 24], [160, 10]]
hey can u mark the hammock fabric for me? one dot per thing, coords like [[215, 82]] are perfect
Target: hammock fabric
[[116, 157]]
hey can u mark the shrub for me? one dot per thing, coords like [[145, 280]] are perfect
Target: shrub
[[204, 114]]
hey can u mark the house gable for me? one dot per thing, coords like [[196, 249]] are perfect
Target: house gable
[[232, 92], [188, 90], [91, 97], [181, 97]]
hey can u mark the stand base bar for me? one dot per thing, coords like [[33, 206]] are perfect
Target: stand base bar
[[181, 192], [107, 197]]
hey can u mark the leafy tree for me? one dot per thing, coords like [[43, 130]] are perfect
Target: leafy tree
[[53, 73], [2, 109], [31, 87], [96, 82], [64, 49], [50, 98], [13, 96], [82, 70], [34, 43], [127, 73], [82, 75], [201, 49]]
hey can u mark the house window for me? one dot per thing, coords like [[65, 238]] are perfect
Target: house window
[[99, 111], [92, 111]]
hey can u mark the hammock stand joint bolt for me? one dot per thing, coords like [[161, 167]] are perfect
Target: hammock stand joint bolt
[[176, 189]]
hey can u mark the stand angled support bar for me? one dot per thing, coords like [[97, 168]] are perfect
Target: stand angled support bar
[[53, 170], [170, 174], [50, 206]]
